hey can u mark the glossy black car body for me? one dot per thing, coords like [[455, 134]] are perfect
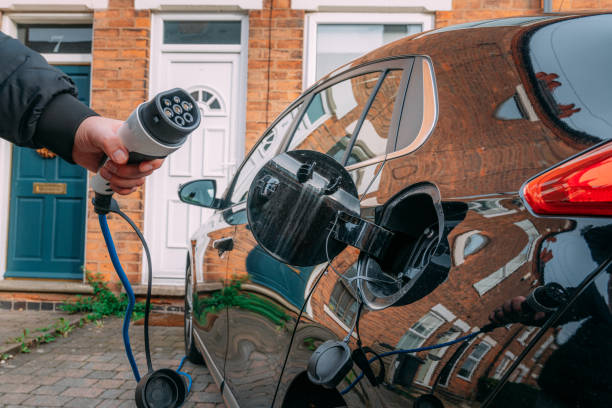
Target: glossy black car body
[[438, 131]]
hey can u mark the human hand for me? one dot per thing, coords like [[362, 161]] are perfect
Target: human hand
[[516, 311], [98, 136]]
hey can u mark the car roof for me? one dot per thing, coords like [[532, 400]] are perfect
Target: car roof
[[501, 31]]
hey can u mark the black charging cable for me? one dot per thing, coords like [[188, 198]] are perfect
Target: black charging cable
[[113, 207]]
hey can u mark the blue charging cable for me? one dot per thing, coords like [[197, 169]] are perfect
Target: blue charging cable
[[415, 350], [108, 239], [178, 370], [128, 289]]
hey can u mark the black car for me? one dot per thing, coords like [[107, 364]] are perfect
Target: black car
[[449, 182]]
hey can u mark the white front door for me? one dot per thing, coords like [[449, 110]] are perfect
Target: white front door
[[212, 151]]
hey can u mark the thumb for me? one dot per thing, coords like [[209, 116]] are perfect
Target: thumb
[[113, 148]]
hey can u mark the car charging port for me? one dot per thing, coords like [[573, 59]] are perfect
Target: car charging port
[[408, 270]]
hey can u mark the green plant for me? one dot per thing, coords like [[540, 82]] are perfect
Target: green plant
[[103, 302], [23, 339], [63, 327]]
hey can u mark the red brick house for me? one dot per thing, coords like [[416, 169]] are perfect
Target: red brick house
[[243, 61]]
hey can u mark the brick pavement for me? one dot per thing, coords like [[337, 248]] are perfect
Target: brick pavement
[[90, 369]]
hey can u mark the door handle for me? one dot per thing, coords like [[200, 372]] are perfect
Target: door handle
[[224, 244]]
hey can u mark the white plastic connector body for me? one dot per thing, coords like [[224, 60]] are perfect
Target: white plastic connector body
[[136, 139]]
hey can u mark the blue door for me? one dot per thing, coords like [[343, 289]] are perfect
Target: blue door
[[47, 209]]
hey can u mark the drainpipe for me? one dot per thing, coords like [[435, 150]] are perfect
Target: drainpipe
[[547, 6]]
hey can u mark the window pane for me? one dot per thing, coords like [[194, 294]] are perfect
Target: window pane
[[571, 62], [427, 324], [467, 368], [480, 350], [333, 300], [328, 123], [373, 135], [409, 341], [338, 44], [51, 39], [202, 32], [261, 154]]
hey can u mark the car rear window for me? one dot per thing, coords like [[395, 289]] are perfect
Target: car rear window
[[570, 65]]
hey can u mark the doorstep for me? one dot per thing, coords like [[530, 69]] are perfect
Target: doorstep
[[44, 286]]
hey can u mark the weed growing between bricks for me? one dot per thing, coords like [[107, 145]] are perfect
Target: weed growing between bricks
[[103, 302], [43, 335]]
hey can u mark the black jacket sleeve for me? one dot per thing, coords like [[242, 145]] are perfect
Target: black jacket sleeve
[[38, 105]]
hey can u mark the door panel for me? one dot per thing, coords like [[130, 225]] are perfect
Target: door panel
[[210, 297], [208, 153], [47, 230]]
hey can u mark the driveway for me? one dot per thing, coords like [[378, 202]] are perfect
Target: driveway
[[89, 369]]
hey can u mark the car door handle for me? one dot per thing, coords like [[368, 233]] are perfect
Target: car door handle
[[224, 244]]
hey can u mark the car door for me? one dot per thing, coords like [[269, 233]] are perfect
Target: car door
[[208, 270], [350, 118]]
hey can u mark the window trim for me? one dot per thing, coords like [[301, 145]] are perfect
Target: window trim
[[403, 62], [417, 334], [312, 20], [10, 21], [477, 360]]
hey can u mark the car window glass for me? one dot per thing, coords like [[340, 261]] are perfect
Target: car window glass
[[328, 123], [570, 63], [420, 109], [373, 135], [265, 150]]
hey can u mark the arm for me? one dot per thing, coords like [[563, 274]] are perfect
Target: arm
[[38, 107], [34, 96]]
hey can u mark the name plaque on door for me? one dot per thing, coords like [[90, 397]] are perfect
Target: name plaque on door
[[49, 188]]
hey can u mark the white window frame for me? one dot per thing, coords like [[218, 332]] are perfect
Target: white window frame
[[417, 334], [9, 27], [477, 360], [312, 20], [523, 339], [403, 5], [10, 22], [501, 368], [201, 5], [53, 5]]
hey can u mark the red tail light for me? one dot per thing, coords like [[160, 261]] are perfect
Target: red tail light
[[581, 186]]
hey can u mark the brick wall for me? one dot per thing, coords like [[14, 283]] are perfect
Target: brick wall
[[276, 35], [121, 41], [565, 5], [473, 10]]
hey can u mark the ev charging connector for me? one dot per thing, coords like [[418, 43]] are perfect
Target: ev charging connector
[[152, 131]]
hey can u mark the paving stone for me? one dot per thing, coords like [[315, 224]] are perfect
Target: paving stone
[[111, 394], [107, 403], [14, 398], [109, 383], [49, 390], [76, 382], [46, 401], [84, 402], [89, 368], [18, 388], [86, 392], [102, 374]]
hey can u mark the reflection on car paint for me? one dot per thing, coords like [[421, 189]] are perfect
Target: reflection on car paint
[[495, 251]]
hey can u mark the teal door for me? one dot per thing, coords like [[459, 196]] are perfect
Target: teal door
[[47, 209]]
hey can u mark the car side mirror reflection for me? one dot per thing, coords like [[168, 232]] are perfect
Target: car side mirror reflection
[[199, 192]]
